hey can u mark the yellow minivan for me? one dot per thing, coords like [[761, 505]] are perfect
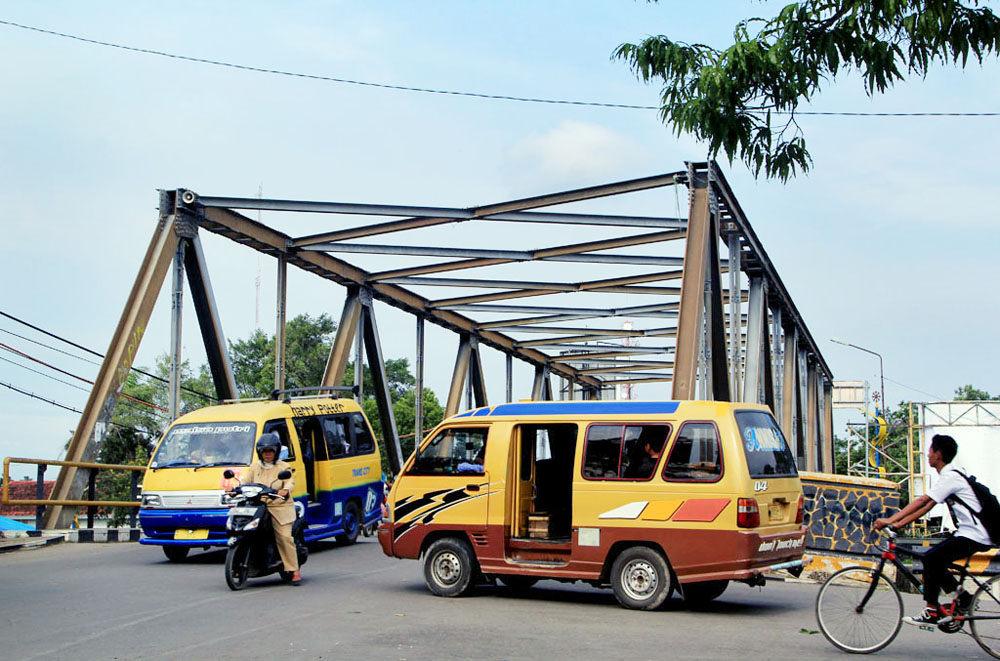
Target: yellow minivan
[[646, 497], [327, 440]]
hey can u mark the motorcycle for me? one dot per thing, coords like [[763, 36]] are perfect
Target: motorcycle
[[252, 550]]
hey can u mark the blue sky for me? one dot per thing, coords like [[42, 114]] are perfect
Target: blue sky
[[889, 243]]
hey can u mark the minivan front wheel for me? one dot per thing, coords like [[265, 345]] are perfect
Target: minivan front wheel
[[641, 578], [449, 567]]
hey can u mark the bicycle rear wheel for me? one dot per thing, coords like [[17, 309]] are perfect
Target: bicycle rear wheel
[[986, 603], [850, 626]]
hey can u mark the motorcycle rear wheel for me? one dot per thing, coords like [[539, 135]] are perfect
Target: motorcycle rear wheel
[[237, 566]]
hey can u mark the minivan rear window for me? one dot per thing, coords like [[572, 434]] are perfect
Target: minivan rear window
[[768, 455]]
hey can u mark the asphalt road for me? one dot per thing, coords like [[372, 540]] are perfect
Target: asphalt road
[[125, 601]]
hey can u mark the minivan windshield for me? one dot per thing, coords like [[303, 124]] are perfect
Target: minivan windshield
[[204, 444], [767, 452]]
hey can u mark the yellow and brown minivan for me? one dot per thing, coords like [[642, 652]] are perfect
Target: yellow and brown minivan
[[326, 439], [646, 497]]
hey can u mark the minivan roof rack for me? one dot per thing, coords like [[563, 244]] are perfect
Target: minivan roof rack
[[335, 389]]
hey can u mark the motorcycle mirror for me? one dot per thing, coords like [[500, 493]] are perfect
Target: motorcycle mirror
[[284, 475], [228, 474]]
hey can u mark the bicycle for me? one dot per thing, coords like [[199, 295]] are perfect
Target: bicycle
[[860, 611]]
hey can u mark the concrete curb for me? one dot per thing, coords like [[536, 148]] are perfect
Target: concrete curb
[[87, 535], [16, 544]]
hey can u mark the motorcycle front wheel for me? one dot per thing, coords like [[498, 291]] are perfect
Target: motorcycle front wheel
[[237, 566]]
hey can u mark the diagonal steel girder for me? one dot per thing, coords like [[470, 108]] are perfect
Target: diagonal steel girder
[[431, 216], [541, 254], [269, 241]]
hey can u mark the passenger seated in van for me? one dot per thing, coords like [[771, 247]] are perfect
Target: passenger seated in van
[[644, 464], [476, 465]]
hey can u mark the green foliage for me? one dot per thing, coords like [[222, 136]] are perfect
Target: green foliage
[[971, 394], [730, 98], [307, 347]]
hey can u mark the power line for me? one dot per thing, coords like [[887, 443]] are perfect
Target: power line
[[49, 346], [91, 351], [68, 408], [126, 400], [80, 378], [47, 376], [478, 95]]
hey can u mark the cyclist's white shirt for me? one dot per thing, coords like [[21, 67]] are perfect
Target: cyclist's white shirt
[[950, 482]]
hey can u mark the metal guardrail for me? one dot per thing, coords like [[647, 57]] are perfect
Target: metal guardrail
[[40, 502]]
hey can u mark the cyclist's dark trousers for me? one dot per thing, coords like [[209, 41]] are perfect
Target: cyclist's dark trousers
[[936, 561]]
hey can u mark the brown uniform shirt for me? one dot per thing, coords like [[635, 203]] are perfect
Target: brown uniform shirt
[[282, 511]]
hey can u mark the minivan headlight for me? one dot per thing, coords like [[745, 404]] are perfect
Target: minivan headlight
[[151, 500]]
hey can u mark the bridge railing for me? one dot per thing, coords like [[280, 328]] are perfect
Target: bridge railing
[[92, 503]]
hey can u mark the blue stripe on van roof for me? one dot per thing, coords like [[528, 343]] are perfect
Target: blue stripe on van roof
[[582, 408]]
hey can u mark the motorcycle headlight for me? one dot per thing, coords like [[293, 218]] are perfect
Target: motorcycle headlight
[[151, 500], [252, 525]]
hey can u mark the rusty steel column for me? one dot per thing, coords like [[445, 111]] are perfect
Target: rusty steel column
[[692, 308], [118, 359], [735, 318], [476, 381], [827, 438], [812, 431], [176, 340], [510, 377], [279, 323], [804, 408], [789, 390], [541, 389], [340, 351], [209, 321], [458, 376], [756, 338], [777, 364], [380, 383], [418, 399]]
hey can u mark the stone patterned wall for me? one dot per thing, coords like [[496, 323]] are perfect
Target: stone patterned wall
[[840, 511]]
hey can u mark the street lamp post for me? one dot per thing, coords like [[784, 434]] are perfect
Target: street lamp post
[[880, 373]]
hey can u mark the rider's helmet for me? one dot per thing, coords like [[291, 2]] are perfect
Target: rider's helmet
[[268, 441]]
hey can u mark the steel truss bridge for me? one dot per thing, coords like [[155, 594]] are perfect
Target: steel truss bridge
[[691, 302]]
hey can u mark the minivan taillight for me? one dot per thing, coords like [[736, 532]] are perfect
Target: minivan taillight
[[800, 512], [747, 514]]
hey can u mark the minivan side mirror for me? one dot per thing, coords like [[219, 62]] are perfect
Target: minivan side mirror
[[284, 475]]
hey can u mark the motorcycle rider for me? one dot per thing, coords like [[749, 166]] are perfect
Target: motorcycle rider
[[282, 510]]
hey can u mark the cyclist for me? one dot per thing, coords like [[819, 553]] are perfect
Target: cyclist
[[970, 537]]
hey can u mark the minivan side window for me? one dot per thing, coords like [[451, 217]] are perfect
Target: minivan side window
[[338, 440], [363, 442], [310, 438], [454, 451], [280, 427], [696, 455], [623, 452]]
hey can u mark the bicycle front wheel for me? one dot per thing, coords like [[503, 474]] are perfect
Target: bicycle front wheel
[[986, 604], [852, 626]]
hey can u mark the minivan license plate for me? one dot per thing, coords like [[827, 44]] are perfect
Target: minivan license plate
[[775, 512], [186, 533]]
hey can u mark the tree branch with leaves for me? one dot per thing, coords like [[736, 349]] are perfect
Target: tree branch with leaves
[[742, 100]]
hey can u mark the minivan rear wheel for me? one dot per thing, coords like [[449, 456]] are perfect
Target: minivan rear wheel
[[641, 579], [449, 567], [700, 594]]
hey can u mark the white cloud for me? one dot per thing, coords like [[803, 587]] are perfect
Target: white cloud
[[576, 151]]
